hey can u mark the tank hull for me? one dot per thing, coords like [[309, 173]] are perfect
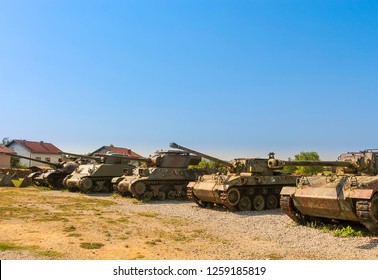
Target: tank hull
[[344, 198], [94, 178], [157, 183], [239, 192]]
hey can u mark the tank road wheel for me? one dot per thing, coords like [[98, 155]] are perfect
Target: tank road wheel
[[148, 195], [161, 195], [271, 202], [85, 184], [171, 194], [139, 188], [367, 211], [233, 196], [258, 203], [245, 204]]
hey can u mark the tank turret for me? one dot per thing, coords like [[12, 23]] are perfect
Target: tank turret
[[350, 194], [53, 177], [248, 185]]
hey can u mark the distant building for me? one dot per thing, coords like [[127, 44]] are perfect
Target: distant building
[[37, 150], [118, 150], [5, 159]]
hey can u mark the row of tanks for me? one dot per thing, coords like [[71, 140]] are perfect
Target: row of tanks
[[350, 193]]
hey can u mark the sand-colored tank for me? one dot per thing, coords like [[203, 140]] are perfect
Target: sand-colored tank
[[349, 194], [248, 185]]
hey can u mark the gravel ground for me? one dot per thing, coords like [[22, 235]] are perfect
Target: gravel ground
[[273, 229]]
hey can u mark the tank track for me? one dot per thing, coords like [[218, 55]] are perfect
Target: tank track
[[288, 208], [225, 202], [191, 196], [162, 183], [364, 210]]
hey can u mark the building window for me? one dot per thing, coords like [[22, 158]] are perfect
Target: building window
[[38, 158], [47, 159]]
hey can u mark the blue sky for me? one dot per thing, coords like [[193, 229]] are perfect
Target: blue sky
[[227, 78]]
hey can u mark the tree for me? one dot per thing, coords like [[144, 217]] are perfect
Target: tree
[[6, 141], [15, 162], [305, 170], [207, 164]]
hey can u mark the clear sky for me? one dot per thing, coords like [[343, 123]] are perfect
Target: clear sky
[[227, 78]]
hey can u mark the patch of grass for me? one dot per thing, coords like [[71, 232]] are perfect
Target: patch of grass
[[52, 218], [124, 219], [274, 256], [91, 245], [50, 254], [74, 235], [69, 229], [176, 221], [153, 242], [10, 247], [34, 249], [148, 214]]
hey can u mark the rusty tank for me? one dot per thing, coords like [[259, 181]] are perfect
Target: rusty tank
[[51, 174], [248, 185], [95, 173], [350, 193], [164, 175]]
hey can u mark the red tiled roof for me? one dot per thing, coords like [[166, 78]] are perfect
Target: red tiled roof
[[119, 150], [4, 149], [38, 147]]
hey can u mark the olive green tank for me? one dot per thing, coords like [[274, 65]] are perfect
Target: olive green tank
[[350, 193], [165, 175], [248, 185], [95, 173]]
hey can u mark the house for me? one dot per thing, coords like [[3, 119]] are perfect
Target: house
[[118, 150], [38, 150], [5, 159]]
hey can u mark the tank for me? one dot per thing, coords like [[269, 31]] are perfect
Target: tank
[[349, 194], [51, 176], [165, 175], [248, 185], [95, 173]]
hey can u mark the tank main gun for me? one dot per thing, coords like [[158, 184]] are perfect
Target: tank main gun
[[222, 162], [53, 165], [121, 156], [279, 164], [96, 158], [356, 163]]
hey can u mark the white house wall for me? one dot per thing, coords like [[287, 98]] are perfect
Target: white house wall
[[20, 150]]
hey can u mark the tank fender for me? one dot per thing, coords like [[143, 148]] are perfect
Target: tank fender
[[288, 191], [362, 193]]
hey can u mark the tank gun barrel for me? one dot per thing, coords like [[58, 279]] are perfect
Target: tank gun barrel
[[279, 164], [81, 156], [123, 157], [54, 165], [176, 146]]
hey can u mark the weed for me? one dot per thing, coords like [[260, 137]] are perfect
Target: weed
[[346, 232], [94, 245]]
